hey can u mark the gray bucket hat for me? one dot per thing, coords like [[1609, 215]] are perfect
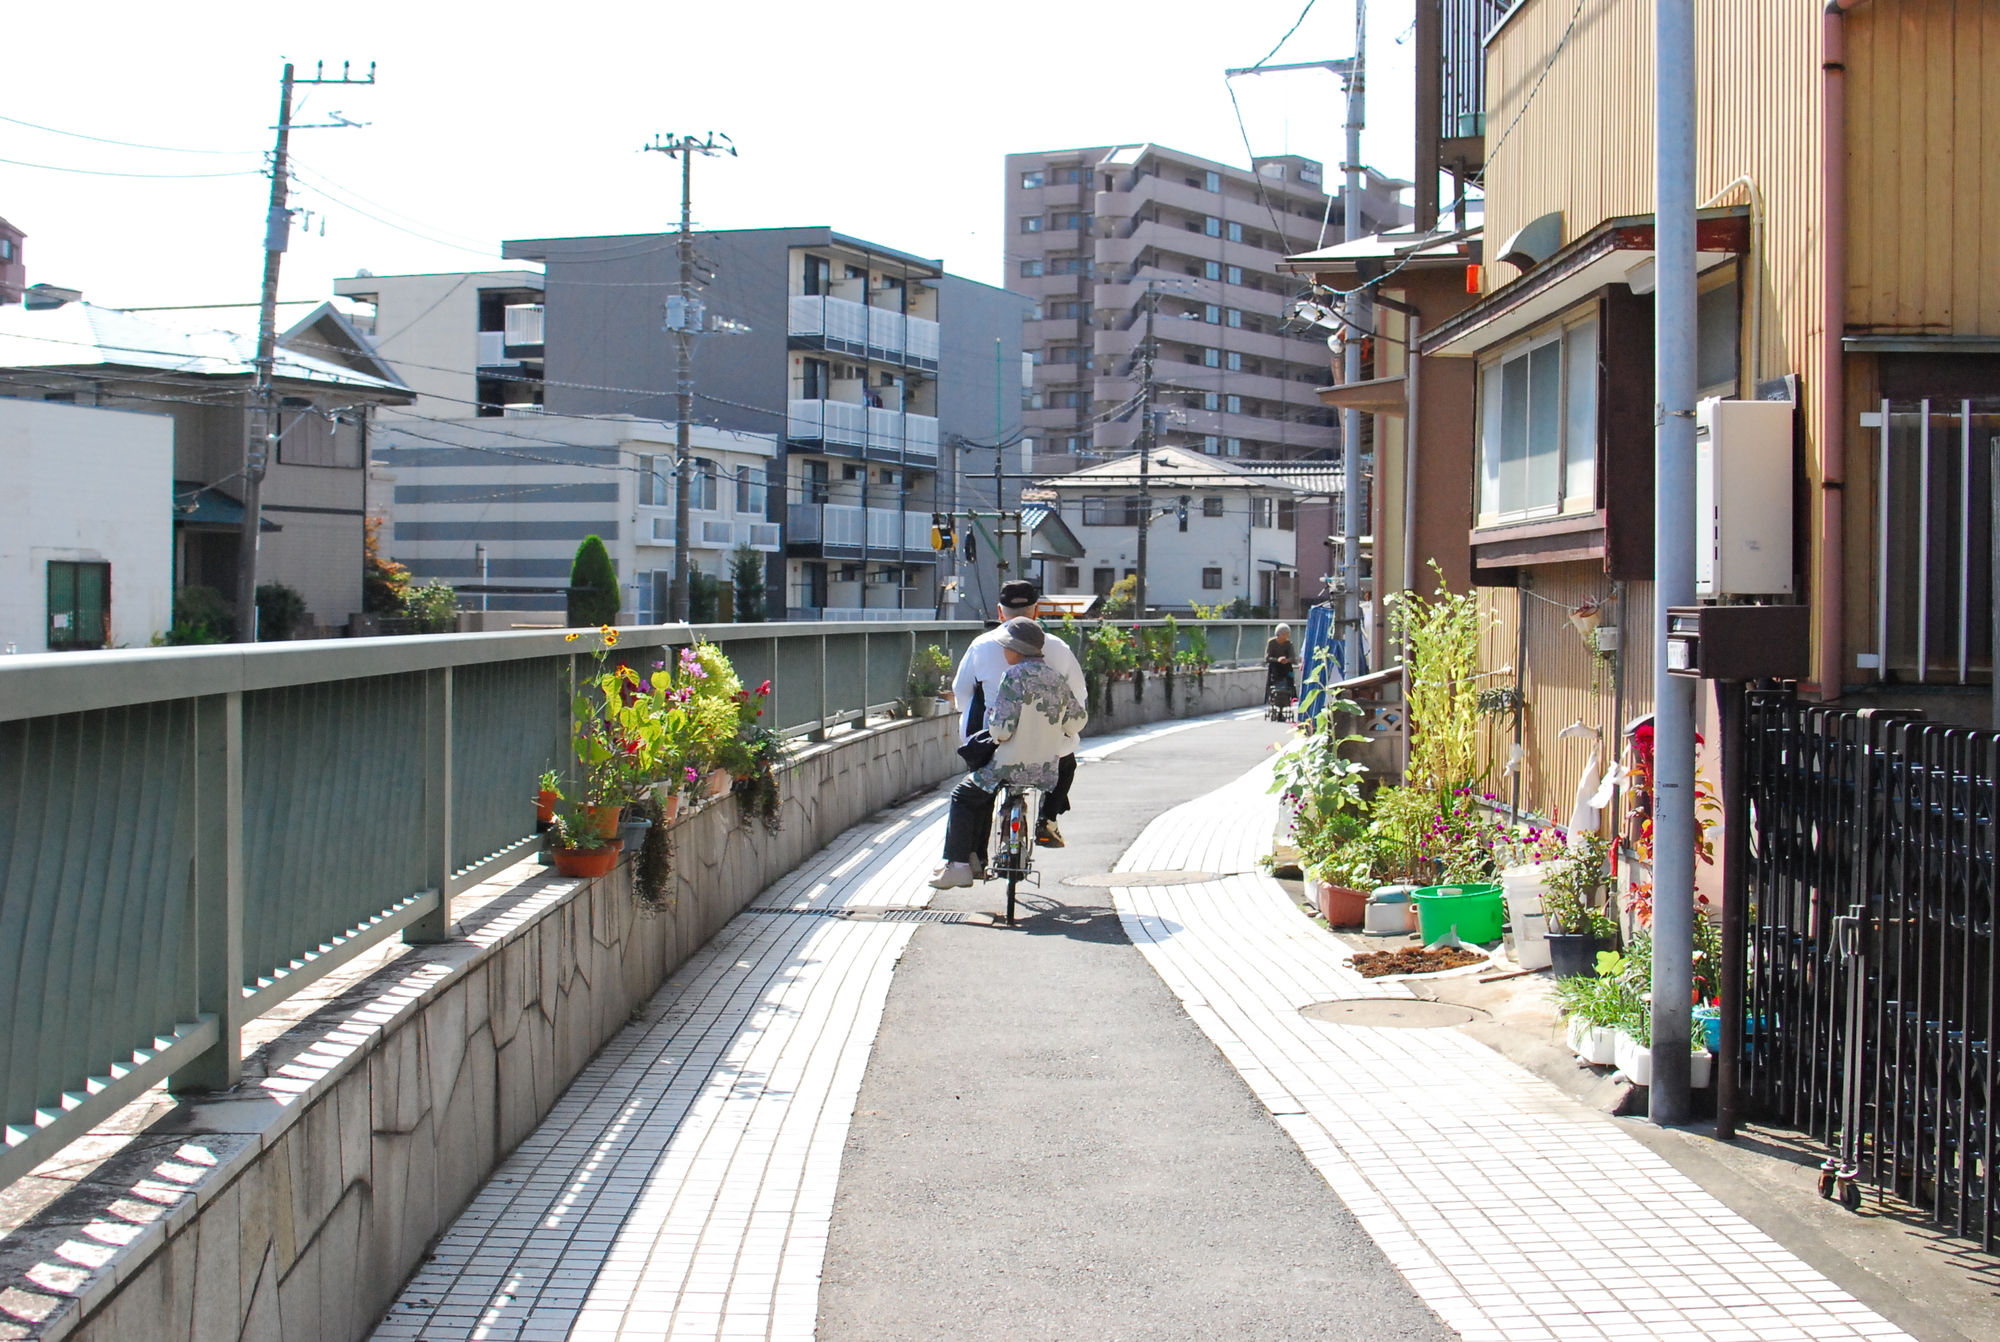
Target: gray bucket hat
[[1023, 636]]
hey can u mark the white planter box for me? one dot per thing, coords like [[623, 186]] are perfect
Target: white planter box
[[1594, 1044], [1633, 1059], [1701, 1069]]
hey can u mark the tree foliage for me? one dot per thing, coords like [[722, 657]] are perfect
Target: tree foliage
[[596, 600], [746, 571], [1440, 637]]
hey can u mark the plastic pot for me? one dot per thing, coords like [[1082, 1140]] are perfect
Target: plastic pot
[[1575, 953], [1634, 1059], [1594, 1044], [1701, 1069], [1340, 906], [545, 806], [586, 862], [1474, 912], [716, 783], [632, 833], [604, 820]]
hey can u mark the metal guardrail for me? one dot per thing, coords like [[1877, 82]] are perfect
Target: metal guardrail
[[189, 836]]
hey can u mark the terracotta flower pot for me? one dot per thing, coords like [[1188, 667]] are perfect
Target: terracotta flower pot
[[670, 807], [586, 862], [717, 783], [545, 805], [1342, 907], [604, 820]]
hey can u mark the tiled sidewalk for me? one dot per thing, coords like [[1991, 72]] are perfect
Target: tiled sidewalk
[[683, 1186], [1514, 1212]]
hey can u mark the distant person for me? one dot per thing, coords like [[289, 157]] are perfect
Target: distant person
[[978, 681], [1281, 661], [1035, 720]]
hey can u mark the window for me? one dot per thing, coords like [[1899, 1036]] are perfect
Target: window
[[1236, 274], [1538, 426], [1232, 447], [819, 275], [1212, 314], [1211, 444], [1211, 400], [1031, 223], [1234, 405], [1212, 270], [1076, 221], [1065, 400], [1211, 507], [1261, 512], [1213, 181], [1288, 514], [1716, 324], [1111, 512], [817, 381], [1211, 358], [1101, 580], [1031, 270], [751, 491], [656, 476], [1236, 232], [79, 605], [1070, 265], [849, 471], [701, 491], [1072, 576], [1066, 176], [6, 249], [1236, 317], [1030, 180], [1063, 354], [1235, 362], [817, 488], [309, 437], [1213, 226]]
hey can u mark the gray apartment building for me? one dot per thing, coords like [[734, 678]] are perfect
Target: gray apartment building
[[1090, 232]]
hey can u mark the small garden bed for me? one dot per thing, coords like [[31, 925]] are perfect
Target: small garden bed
[[1381, 964]]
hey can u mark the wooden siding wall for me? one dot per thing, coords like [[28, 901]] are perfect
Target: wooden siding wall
[[1559, 682], [1923, 138]]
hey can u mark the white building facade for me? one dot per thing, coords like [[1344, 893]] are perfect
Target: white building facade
[[86, 527], [504, 503]]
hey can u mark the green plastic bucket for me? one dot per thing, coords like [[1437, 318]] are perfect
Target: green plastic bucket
[[1475, 911]]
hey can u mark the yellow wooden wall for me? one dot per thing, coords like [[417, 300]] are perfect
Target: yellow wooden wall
[[1923, 136]]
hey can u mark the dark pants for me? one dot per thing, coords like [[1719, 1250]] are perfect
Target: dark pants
[[971, 821], [1057, 801]]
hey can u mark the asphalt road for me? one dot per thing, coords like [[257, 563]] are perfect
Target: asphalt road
[[1047, 1147]]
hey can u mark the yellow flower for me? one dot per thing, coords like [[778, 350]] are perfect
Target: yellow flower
[[607, 630], [611, 640], [571, 638]]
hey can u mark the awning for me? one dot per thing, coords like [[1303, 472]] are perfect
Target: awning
[[196, 504], [1617, 251], [1376, 396]]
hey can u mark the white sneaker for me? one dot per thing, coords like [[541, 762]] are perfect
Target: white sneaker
[[979, 872], [955, 875]]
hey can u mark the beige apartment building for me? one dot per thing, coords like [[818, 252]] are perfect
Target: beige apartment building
[[1092, 232]]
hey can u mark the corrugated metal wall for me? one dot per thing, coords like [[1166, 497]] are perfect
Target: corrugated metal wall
[[1561, 684], [1923, 136]]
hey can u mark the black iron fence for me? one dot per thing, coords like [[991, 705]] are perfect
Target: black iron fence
[[1871, 974]]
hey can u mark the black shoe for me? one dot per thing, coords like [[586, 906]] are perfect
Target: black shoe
[[1047, 835]]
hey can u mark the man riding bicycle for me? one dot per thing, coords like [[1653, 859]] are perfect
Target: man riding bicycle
[[1035, 719], [977, 683], [1281, 665]]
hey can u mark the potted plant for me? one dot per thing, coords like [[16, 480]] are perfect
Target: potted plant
[[547, 798], [928, 669], [578, 849], [1593, 1008], [1577, 929]]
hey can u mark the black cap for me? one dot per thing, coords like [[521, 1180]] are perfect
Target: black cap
[[1019, 594]]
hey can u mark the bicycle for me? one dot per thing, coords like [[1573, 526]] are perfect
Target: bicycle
[[1013, 839]]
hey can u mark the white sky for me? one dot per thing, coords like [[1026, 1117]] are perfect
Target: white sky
[[886, 119]]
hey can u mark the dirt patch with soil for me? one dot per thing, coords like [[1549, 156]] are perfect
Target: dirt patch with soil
[[1377, 964]]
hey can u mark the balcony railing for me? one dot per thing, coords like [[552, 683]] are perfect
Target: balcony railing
[[846, 526], [848, 327], [845, 424]]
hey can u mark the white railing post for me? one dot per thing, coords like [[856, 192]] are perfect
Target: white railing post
[[216, 894]]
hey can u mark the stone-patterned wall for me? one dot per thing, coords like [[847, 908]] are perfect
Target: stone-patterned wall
[[294, 1208]]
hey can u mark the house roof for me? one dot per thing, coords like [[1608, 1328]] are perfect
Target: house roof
[[1443, 247], [83, 336], [326, 334], [1172, 467], [1052, 538]]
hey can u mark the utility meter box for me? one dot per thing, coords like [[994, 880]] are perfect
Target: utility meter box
[[1739, 642], [1743, 498]]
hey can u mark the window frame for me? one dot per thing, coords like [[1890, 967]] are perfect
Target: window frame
[[73, 610], [1212, 506], [1031, 223], [1031, 181], [1211, 578], [1575, 492]]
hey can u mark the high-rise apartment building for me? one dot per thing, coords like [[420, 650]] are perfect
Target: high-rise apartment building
[[1091, 233]]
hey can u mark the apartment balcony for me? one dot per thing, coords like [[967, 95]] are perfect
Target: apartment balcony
[[1116, 256], [843, 326], [707, 531], [842, 428], [845, 531]]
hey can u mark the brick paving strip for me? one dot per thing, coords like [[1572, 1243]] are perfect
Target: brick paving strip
[[1514, 1212], [683, 1185]]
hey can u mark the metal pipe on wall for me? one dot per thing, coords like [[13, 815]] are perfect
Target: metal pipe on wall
[[1829, 661]]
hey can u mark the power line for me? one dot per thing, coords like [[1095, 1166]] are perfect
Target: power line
[[127, 144], [96, 172]]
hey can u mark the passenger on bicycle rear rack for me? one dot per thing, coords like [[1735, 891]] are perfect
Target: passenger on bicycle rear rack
[[1036, 718], [1281, 686], [977, 682]]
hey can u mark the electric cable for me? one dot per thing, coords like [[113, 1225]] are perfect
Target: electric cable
[[127, 144]]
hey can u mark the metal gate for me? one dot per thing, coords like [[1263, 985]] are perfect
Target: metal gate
[[1870, 1000]]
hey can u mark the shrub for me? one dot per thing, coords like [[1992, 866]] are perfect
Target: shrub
[[1119, 600], [201, 616], [1440, 636], [704, 597], [928, 669], [594, 600], [280, 611], [385, 584], [746, 571], [434, 607]]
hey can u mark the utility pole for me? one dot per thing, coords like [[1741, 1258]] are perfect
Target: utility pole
[[1359, 314], [684, 320], [262, 440], [1147, 428], [1673, 556]]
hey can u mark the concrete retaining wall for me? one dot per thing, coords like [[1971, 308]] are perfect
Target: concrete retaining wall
[[1123, 703]]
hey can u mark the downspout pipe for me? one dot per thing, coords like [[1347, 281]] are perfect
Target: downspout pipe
[[1829, 659]]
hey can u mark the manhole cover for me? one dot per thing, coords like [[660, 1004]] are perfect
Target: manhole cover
[[1107, 879], [1395, 1013]]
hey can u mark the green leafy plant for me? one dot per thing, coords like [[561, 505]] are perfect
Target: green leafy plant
[[1571, 887], [280, 612], [1440, 636], [1219, 611], [550, 781], [928, 669], [1120, 601], [704, 597], [434, 607], [200, 616], [746, 573], [593, 599], [577, 832]]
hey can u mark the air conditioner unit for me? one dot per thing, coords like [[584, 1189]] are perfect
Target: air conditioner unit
[[1743, 498]]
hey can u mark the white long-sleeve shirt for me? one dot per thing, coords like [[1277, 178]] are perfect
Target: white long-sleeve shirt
[[985, 663]]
